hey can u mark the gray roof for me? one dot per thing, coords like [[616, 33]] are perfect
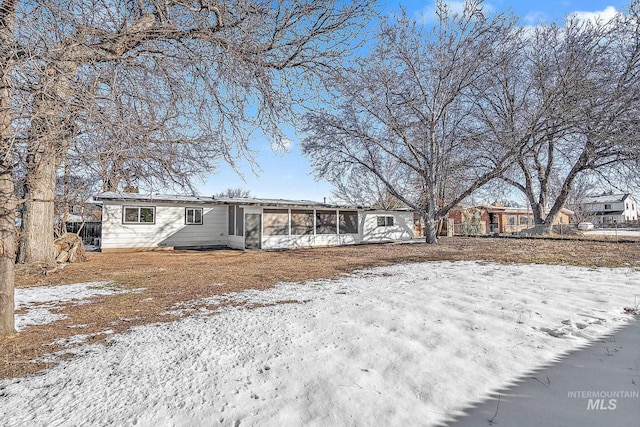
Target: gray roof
[[246, 201], [607, 198]]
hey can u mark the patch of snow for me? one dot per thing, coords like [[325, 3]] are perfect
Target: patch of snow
[[408, 344], [41, 303], [613, 232]]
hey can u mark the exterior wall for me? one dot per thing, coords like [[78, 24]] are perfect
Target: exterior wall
[[369, 232], [169, 229], [522, 220], [606, 219], [466, 221], [283, 242], [563, 218], [630, 209], [618, 212], [507, 228], [402, 228], [310, 240]]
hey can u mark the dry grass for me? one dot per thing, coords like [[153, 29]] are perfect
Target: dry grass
[[168, 278]]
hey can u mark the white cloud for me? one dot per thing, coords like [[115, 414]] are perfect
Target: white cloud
[[605, 15], [533, 19]]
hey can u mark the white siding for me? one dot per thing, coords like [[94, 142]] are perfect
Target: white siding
[[631, 209], [402, 228], [282, 242], [169, 229]]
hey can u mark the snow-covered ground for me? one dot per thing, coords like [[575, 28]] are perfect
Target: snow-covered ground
[[613, 232], [43, 303], [408, 344]]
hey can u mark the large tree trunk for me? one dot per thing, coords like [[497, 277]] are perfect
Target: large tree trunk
[[7, 195], [430, 223], [430, 230], [36, 243], [52, 126]]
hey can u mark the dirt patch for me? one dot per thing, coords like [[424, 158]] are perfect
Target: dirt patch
[[163, 280]]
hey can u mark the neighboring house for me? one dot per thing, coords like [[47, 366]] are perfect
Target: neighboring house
[[609, 209], [497, 219], [135, 221]]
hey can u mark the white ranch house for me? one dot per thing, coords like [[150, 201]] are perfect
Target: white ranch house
[[132, 221]]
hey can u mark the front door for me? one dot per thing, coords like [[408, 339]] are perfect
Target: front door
[[494, 223], [252, 231]]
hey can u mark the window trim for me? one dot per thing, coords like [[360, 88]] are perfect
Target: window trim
[[389, 221], [318, 223], [186, 216], [296, 226], [342, 215], [269, 227], [138, 222]]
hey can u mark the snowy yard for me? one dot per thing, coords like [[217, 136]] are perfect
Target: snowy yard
[[626, 232], [406, 344]]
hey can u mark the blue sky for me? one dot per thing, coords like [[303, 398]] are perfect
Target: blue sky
[[288, 175]]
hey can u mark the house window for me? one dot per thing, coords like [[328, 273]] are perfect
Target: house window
[[348, 222], [301, 222], [239, 221], [232, 220], [236, 221], [524, 220], [385, 221], [139, 215], [193, 216], [275, 222], [511, 220], [607, 207], [326, 222]]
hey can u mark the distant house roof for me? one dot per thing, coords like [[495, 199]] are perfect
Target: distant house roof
[[246, 201], [608, 198]]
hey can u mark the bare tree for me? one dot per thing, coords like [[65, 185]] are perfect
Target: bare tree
[[235, 66], [361, 188], [234, 193], [227, 69], [582, 188], [573, 100], [406, 104], [131, 132]]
